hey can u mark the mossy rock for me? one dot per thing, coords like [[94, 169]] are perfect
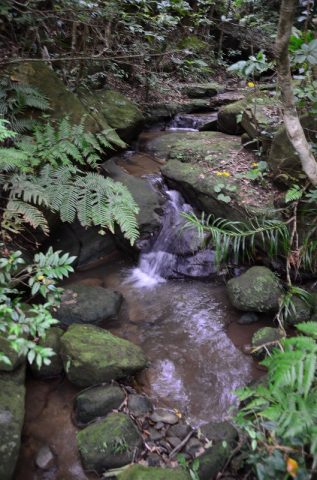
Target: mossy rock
[[119, 112], [193, 43], [220, 431], [300, 312], [97, 402], [212, 461], [202, 90], [283, 161], [140, 472], [15, 359], [12, 397], [88, 304], [256, 290], [265, 335], [110, 443], [92, 355], [228, 117], [63, 102], [51, 340]]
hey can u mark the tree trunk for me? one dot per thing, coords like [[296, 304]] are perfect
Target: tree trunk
[[291, 120]]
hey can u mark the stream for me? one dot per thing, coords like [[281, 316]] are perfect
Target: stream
[[186, 327]]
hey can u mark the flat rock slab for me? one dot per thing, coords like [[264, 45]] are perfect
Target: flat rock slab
[[92, 356], [110, 443], [165, 416], [88, 304]]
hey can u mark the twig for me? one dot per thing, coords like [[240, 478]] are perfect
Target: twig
[[180, 446]]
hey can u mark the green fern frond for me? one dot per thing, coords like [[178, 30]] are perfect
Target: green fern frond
[[293, 194], [18, 212]]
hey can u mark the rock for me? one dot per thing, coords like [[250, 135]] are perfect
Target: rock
[[283, 160], [256, 290], [174, 441], [202, 90], [263, 336], [62, 101], [44, 458], [193, 446], [92, 355], [248, 318], [181, 430], [226, 98], [228, 117], [88, 304], [154, 460], [110, 443], [119, 112], [156, 112], [149, 201], [197, 121], [97, 402], [300, 313], [219, 432], [15, 359], [139, 472], [165, 416], [52, 340], [155, 435], [139, 405], [212, 461], [12, 396]]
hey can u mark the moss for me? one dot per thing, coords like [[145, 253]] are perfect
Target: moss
[[256, 290], [139, 472], [92, 355], [109, 443]]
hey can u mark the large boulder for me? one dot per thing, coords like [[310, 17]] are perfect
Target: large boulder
[[88, 304], [256, 290], [92, 355], [119, 112], [110, 443], [52, 340], [140, 472], [283, 160], [12, 396], [97, 402], [149, 200], [62, 101]]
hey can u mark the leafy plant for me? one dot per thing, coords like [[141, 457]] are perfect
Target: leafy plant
[[255, 65], [279, 416], [293, 194], [15, 99], [22, 322], [258, 171], [223, 190]]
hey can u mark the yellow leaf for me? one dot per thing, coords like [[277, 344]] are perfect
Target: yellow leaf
[[292, 467]]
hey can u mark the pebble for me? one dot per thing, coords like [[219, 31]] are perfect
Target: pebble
[[155, 435], [159, 425], [44, 458], [193, 446], [180, 430], [248, 318], [154, 460], [165, 416], [174, 441]]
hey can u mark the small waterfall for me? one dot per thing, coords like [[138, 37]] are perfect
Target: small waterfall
[[177, 252]]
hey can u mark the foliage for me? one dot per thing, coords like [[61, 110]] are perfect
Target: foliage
[[24, 323], [255, 65], [59, 186], [279, 415], [224, 191], [240, 239], [15, 99], [257, 172]]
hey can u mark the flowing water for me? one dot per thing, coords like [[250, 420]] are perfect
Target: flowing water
[[185, 325]]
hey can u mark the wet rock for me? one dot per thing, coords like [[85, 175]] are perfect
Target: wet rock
[[226, 98], [174, 441], [165, 416], [256, 290], [154, 460], [149, 201], [52, 340], [44, 458], [155, 435], [110, 443], [248, 318], [212, 461], [92, 355], [139, 472], [139, 405], [15, 359], [220, 431], [12, 397], [180, 430], [118, 111], [193, 446], [88, 304], [203, 90], [202, 121], [159, 425], [264, 336], [300, 312], [97, 402]]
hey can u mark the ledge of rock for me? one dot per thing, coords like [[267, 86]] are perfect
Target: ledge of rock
[[92, 355]]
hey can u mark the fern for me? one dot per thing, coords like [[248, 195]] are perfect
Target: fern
[[293, 194], [240, 238]]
